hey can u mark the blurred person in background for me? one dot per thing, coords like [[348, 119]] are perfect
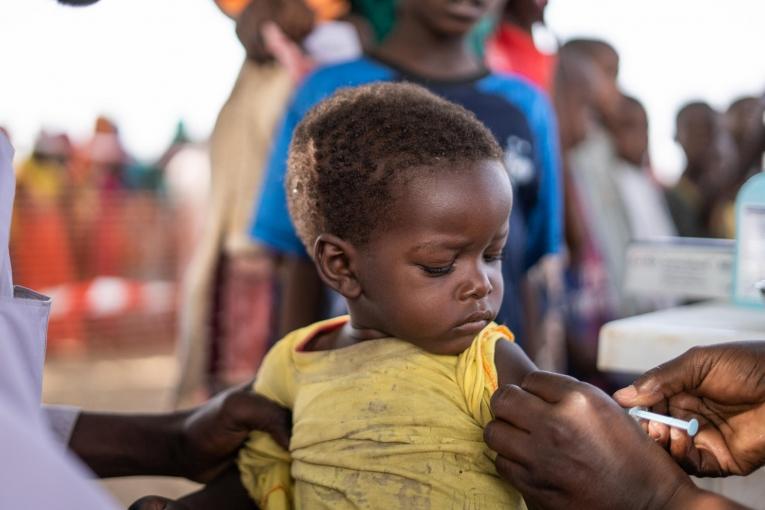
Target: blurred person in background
[[749, 133], [589, 302], [40, 237], [42, 186], [709, 170], [611, 197], [742, 118], [428, 46], [97, 214], [511, 49], [643, 197], [744, 121], [592, 160], [229, 290]]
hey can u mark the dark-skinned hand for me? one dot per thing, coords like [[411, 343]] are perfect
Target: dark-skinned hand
[[566, 444], [213, 433], [293, 17], [723, 386], [157, 503]]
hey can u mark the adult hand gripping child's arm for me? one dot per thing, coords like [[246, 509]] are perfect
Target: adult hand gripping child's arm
[[263, 461]]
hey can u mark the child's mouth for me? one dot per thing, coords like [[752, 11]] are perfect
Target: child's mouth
[[476, 321]]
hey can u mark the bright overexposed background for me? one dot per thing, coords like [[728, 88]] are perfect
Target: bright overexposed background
[[150, 63], [145, 63]]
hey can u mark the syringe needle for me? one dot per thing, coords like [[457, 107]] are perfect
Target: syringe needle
[[691, 426]]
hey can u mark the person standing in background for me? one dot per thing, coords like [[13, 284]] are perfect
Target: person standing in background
[[512, 49], [709, 169], [644, 201], [743, 123], [229, 293], [589, 302], [599, 129], [40, 227]]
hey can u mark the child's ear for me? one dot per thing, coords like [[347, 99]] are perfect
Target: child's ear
[[335, 261]]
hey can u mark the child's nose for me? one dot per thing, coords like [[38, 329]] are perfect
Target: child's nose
[[477, 283]]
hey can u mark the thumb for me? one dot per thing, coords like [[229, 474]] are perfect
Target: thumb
[[660, 383], [256, 412]]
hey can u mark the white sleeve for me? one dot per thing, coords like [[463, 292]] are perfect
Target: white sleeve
[[37, 473], [62, 420]]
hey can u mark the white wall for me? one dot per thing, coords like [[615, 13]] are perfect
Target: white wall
[[147, 63]]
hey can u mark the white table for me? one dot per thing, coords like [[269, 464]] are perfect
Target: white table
[[640, 343]]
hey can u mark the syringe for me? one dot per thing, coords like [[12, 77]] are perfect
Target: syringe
[[691, 426]]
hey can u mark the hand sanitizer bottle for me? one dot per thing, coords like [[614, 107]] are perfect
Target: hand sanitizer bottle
[[749, 275]]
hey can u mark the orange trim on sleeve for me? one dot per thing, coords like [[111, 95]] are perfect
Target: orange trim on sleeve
[[264, 500], [488, 364], [324, 327]]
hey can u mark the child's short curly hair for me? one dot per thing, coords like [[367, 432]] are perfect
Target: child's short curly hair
[[350, 150]]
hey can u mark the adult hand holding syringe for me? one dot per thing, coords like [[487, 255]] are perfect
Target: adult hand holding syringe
[[555, 435], [723, 387]]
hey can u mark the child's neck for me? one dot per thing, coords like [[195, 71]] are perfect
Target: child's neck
[[419, 50], [343, 336]]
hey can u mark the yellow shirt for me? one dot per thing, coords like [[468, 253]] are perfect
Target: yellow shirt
[[379, 424]]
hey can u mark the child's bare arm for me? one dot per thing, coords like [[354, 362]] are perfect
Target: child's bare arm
[[512, 363]]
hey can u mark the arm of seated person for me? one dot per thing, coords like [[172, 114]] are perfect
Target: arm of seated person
[[512, 363], [197, 444]]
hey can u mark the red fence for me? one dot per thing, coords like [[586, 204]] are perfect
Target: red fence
[[111, 261]]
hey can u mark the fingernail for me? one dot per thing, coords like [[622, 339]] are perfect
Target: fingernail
[[675, 434], [628, 393]]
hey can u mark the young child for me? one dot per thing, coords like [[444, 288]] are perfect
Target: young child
[[402, 200], [429, 46]]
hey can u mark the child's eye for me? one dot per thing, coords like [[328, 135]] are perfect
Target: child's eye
[[494, 257], [437, 271]]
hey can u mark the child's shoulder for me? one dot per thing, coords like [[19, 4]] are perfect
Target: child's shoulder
[[510, 363]]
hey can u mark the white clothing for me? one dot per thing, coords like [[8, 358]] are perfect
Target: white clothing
[[646, 207], [35, 471]]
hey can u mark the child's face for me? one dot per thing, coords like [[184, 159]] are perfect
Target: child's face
[[432, 276], [447, 17]]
